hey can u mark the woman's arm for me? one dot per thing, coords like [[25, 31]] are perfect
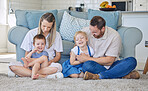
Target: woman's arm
[[56, 58], [73, 60]]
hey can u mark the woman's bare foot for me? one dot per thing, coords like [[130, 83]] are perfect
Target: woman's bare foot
[[25, 62], [34, 77], [81, 75]]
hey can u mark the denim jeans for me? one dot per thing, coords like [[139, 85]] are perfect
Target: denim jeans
[[118, 69]]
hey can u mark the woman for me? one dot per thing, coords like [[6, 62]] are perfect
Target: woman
[[47, 27]]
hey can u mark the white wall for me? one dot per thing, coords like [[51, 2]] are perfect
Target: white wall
[[64, 4], [25, 4]]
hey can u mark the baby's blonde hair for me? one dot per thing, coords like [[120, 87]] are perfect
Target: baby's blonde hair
[[80, 32]]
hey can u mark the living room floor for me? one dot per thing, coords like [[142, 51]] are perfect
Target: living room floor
[[5, 58]]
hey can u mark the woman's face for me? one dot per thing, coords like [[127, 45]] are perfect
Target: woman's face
[[46, 26]]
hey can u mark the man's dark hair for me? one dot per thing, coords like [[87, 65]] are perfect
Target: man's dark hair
[[98, 21], [39, 36]]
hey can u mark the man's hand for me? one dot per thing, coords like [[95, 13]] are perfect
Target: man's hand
[[82, 57]]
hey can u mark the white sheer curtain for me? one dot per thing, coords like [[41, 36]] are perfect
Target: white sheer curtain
[[3, 12]]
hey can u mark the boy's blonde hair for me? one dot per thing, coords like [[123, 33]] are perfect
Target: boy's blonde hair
[[50, 18], [80, 32]]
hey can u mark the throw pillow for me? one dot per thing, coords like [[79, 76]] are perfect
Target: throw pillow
[[60, 16], [20, 18], [34, 17], [70, 25], [111, 18]]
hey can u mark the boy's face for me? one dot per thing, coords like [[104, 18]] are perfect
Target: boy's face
[[39, 44], [81, 40]]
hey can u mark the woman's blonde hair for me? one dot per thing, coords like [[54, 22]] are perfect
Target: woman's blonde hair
[[50, 18], [80, 32]]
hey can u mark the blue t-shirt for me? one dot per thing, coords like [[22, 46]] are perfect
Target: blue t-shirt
[[38, 55]]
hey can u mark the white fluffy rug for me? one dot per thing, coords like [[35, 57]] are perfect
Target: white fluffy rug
[[70, 84]]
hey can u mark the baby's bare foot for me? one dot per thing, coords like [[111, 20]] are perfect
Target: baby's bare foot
[[25, 62], [34, 77]]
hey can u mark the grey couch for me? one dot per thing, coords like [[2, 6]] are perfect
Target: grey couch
[[131, 36]]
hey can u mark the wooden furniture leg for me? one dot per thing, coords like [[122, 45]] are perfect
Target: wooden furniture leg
[[146, 67]]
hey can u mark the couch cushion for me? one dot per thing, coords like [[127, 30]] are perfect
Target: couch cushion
[[70, 25], [34, 17], [20, 18], [67, 46], [110, 17]]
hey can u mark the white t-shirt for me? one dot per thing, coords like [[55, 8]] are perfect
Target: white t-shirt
[[75, 50], [108, 45], [27, 43]]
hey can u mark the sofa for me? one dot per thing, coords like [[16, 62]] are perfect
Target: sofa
[[67, 23]]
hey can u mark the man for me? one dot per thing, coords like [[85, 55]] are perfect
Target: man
[[105, 63]]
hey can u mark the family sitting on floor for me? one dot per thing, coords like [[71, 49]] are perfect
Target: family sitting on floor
[[94, 56]]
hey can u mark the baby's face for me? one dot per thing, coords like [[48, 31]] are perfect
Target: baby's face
[[81, 40], [40, 44]]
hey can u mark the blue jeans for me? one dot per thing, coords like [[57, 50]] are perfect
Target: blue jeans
[[118, 69]]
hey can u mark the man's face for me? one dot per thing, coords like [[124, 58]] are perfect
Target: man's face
[[97, 33]]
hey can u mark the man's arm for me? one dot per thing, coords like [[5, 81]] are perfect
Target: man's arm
[[106, 61]]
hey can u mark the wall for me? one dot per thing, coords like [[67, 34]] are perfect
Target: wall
[[25, 4], [64, 4]]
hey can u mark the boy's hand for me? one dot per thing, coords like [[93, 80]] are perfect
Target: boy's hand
[[35, 50]]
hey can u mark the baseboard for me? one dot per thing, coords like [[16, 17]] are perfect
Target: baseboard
[[3, 50]]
